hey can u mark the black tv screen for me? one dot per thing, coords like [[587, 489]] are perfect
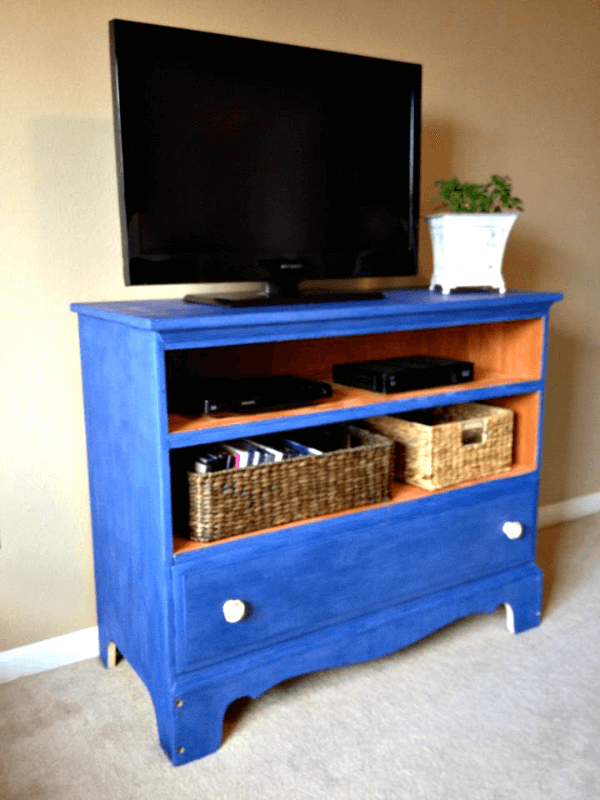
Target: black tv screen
[[238, 159]]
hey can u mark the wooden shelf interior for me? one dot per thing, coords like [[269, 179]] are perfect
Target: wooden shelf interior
[[526, 409], [503, 352]]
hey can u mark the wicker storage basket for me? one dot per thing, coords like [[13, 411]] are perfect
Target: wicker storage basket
[[442, 446], [230, 502]]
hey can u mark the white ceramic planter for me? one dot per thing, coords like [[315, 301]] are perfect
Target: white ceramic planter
[[468, 250]]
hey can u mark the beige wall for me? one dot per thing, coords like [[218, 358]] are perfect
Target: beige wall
[[510, 86]]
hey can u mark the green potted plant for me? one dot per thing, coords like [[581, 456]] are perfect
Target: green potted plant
[[469, 233]]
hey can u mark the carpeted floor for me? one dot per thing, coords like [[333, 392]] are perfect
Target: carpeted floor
[[471, 713]]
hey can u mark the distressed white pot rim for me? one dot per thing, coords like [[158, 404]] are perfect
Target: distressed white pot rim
[[474, 216]]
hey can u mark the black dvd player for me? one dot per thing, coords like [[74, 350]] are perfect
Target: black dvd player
[[403, 374], [247, 394]]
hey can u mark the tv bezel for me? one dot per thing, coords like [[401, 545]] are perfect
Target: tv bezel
[[164, 274]]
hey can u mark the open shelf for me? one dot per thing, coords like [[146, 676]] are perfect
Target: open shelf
[[342, 398], [504, 353], [400, 493], [526, 409]]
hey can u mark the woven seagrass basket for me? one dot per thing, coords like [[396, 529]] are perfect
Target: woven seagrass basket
[[439, 447], [235, 501]]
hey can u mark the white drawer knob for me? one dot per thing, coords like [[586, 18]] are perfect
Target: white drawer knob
[[234, 610], [514, 530]]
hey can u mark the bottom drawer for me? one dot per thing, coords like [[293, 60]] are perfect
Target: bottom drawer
[[297, 580]]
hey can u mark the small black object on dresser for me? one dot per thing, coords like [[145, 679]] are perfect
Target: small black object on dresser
[[403, 374], [198, 395]]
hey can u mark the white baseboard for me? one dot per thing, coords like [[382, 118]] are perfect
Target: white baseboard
[[569, 510], [73, 647], [49, 654]]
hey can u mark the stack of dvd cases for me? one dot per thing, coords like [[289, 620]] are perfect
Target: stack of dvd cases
[[269, 449]]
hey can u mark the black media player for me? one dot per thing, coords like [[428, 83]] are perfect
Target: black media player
[[403, 374], [247, 394]]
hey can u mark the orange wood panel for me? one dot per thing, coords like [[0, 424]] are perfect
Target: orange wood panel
[[526, 408], [511, 348]]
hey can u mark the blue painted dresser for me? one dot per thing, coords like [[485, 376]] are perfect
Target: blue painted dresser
[[315, 594]]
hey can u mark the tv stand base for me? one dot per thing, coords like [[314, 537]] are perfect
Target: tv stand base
[[259, 300]]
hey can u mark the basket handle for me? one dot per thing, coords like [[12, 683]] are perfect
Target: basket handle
[[474, 432]]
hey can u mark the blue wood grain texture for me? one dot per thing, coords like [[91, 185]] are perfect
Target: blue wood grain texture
[[540, 430], [183, 325], [320, 594], [206, 695], [322, 574], [125, 412]]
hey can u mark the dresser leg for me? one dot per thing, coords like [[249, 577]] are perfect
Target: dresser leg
[[107, 649], [524, 603], [112, 655], [198, 719]]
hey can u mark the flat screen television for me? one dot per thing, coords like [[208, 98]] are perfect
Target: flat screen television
[[241, 160]]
